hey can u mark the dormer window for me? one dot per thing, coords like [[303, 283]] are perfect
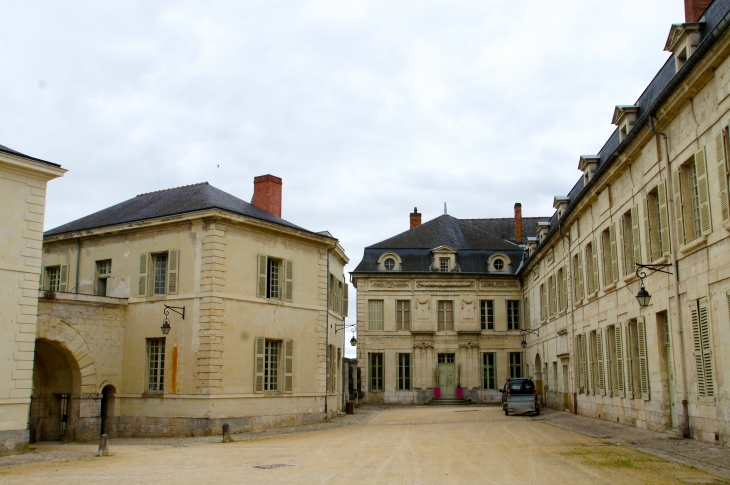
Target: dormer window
[[444, 260], [444, 265], [588, 165], [531, 244], [560, 203], [389, 264], [682, 42], [542, 230], [498, 264], [624, 117]]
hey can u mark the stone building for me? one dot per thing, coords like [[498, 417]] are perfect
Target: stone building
[[23, 182], [655, 193], [440, 305], [250, 297]]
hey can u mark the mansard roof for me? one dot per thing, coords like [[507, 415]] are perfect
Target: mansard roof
[[169, 202]]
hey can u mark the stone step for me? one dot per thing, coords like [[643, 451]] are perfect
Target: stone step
[[450, 402]]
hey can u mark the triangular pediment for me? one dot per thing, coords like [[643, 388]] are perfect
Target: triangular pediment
[[622, 110], [677, 33], [444, 250]]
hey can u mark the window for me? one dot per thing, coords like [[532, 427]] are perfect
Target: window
[[612, 381], [389, 264], [498, 264], [553, 296], [404, 372], [403, 314], [487, 314], [103, 271], [691, 199], [515, 365], [580, 363], [275, 280], [159, 267], [513, 314], [592, 267], [375, 315], [638, 372], [444, 265], [274, 365], [489, 374], [656, 223], [446, 358], [338, 291], [593, 362], [53, 277], [609, 255], [578, 290], [446, 315], [376, 372], [155, 364], [271, 365], [528, 321], [703, 350], [158, 273], [543, 303], [631, 240], [562, 290]]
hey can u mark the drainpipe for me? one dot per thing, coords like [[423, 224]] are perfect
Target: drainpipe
[[327, 338], [78, 258], [684, 426], [572, 316]]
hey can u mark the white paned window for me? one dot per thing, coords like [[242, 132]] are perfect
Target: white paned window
[[513, 314], [155, 364], [159, 265], [487, 314], [404, 372], [271, 365]]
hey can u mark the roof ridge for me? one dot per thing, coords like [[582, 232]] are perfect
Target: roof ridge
[[172, 188]]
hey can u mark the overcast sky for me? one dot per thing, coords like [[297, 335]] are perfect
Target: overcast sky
[[365, 109]]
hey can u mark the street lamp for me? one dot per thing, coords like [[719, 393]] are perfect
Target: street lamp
[[166, 322], [353, 340], [643, 296]]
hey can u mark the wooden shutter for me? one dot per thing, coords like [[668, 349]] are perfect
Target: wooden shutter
[[581, 286], [63, 279], [608, 379], [663, 219], [636, 237], [172, 278], [702, 350], [346, 301], [288, 280], [629, 365], [614, 252], [261, 285], [576, 364], [43, 279], [288, 365], [622, 242], [703, 191], [596, 274], [142, 282], [258, 367], [647, 232], [599, 355], [678, 212], [643, 359], [591, 380], [619, 360], [722, 176]]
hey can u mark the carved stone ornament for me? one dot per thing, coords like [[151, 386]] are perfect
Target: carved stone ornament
[[423, 345], [468, 345], [390, 284], [445, 284], [500, 284]]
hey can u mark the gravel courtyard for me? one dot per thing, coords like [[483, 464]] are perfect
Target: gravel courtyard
[[413, 445]]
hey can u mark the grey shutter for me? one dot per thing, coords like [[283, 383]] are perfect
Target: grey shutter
[[591, 380], [599, 355], [63, 279], [722, 176], [143, 268], [678, 211], [622, 242], [629, 365], [172, 265], [346, 301], [663, 219], [614, 252], [619, 360], [703, 191], [697, 341], [288, 284], [636, 237], [647, 232], [581, 286], [261, 281], [288, 365], [643, 359], [596, 274], [608, 380], [258, 367], [703, 350]]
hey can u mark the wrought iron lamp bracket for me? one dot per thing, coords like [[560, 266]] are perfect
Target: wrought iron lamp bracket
[[641, 273]]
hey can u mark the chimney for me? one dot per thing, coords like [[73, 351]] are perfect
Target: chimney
[[518, 223], [267, 194], [415, 218], [693, 9]]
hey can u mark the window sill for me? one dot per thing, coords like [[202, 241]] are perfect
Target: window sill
[[661, 260], [578, 303], [610, 288], [631, 278], [563, 313], [153, 394], [693, 246], [592, 296]]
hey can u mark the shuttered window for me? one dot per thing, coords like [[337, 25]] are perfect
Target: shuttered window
[[611, 366], [273, 365], [159, 268], [155, 364], [487, 314], [692, 200], [489, 370], [159, 273], [619, 358], [699, 311], [591, 263], [643, 358], [404, 372], [578, 289], [375, 314], [601, 383], [652, 226], [288, 365], [56, 278], [543, 303], [552, 295], [275, 278], [585, 384], [722, 174], [376, 372]]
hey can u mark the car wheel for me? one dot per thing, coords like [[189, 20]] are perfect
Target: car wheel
[[506, 412], [537, 412]]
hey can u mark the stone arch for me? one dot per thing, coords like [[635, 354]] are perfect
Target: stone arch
[[57, 331]]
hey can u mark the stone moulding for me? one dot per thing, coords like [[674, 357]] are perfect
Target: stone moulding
[[423, 345], [445, 284], [491, 284], [390, 284], [468, 345]]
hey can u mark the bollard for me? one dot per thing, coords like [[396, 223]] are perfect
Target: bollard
[[103, 445], [227, 433]]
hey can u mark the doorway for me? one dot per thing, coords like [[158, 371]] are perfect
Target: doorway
[[108, 421], [447, 375], [665, 349]]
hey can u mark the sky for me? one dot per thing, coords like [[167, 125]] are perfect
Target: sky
[[365, 109]]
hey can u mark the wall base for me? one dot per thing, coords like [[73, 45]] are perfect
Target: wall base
[[13, 442]]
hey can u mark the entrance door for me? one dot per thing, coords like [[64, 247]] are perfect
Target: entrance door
[[447, 375]]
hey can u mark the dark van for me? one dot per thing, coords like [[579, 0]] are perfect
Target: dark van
[[519, 396]]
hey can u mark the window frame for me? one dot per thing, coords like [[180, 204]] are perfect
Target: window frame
[[513, 315], [53, 278], [403, 315], [376, 324], [515, 365], [489, 371], [376, 364], [445, 315], [405, 372], [160, 278], [155, 368], [486, 314], [103, 276]]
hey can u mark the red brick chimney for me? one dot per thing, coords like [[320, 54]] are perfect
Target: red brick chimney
[[693, 9], [267, 194], [415, 218], [518, 223]]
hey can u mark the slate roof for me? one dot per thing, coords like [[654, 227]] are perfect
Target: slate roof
[[10, 151], [169, 202]]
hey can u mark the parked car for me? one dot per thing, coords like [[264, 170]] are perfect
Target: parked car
[[519, 396]]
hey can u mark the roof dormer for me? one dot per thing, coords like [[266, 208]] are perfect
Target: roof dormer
[[588, 165], [542, 230], [560, 203], [682, 41], [624, 117], [444, 259], [531, 244]]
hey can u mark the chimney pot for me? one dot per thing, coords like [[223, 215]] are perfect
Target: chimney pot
[[518, 223], [693, 9], [415, 218], [267, 194]]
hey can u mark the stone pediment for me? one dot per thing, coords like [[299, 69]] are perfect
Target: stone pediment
[[444, 250], [621, 111], [678, 32]]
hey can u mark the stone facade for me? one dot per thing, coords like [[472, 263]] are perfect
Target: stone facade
[[22, 198]]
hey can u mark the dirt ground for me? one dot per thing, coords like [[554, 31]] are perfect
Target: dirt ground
[[414, 445]]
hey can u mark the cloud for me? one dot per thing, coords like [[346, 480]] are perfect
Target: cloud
[[366, 109]]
